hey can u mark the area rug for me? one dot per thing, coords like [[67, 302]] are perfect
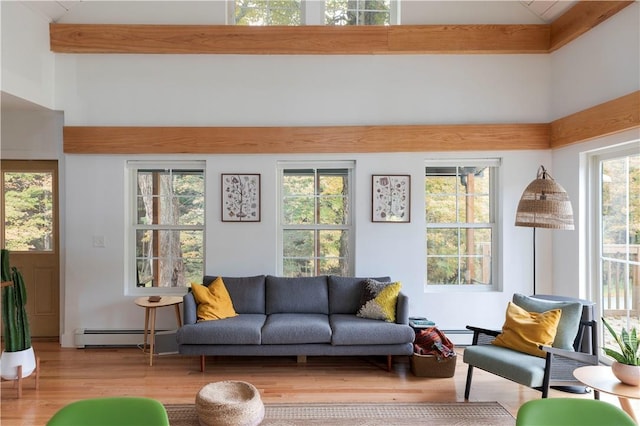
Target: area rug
[[390, 414]]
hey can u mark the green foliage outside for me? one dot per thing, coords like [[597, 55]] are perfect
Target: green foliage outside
[[289, 12], [166, 256], [457, 210], [28, 211], [315, 210]]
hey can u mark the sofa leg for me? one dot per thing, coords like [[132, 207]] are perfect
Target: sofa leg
[[301, 359], [389, 362], [202, 357]]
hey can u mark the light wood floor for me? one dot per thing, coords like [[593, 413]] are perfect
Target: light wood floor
[[71, 374]]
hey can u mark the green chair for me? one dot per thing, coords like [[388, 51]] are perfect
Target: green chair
[[571, 412], [114, 411]]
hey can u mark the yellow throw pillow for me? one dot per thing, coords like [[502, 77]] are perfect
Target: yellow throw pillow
[[524, 331], [213, 301]]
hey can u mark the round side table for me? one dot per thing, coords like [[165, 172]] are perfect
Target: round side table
[[150, 318]]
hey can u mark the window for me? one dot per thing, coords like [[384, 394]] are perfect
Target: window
[[460, 211], [617, 189], [168, 223], [268, 12], [316, 235], [358, 12]]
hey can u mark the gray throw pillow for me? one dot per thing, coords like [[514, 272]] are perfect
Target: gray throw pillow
[[569, 319]]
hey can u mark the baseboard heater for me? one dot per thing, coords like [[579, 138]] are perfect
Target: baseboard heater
[[459, 337], [86, 337]]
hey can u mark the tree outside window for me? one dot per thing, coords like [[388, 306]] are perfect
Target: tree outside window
[[358, 12], [460, 234], [169, 229], [268, 12], [316, 222]]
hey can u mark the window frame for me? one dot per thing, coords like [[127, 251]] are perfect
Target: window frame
[[349, 227], [133, 167], [495, 224]]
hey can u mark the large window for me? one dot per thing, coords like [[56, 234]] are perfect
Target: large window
[[168, 223], [618, 235], [316, 219], [460, 210]]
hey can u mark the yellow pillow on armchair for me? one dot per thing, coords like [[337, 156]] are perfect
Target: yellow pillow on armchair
[[524, 331], [213, 301]]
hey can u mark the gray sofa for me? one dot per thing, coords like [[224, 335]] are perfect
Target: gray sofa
[[294, 317]]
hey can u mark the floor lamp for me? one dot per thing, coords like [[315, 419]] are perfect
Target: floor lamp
[[544, 204]]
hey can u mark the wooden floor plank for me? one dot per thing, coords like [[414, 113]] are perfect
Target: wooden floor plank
[[71, 374]]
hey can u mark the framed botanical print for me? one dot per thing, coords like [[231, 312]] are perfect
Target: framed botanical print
[[391, 198], [240, 197]]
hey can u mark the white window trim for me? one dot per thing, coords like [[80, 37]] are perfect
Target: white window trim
[[132, 167], [496, 258], [348, 164]]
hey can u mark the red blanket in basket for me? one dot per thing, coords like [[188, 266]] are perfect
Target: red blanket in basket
[[432, 341]]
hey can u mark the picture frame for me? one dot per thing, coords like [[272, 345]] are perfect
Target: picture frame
[[391, 198], [240, 197]]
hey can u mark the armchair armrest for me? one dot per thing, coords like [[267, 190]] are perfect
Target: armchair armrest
[[580, 357], [482, 336]]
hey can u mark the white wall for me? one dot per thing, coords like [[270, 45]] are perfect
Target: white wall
[[27, 65], [601, 65]]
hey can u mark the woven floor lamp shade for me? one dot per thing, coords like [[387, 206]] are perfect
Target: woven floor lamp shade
[[544, 204]]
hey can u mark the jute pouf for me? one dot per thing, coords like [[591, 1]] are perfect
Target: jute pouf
[[229, 403]]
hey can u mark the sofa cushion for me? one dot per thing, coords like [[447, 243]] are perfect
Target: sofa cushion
[[345, 293], [379, 300], [241, 330], [353, 330], [517, 366], [292, 329], [247, 293], [569, 320], [213, 301], [306, 295]]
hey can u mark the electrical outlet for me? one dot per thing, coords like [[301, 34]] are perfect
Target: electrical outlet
[[98, 241]]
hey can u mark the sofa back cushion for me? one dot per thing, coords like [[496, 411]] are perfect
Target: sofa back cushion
[[307, 295], [247, 293], [345, 293]]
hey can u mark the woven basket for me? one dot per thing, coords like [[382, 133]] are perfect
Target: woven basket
[[229, 403]]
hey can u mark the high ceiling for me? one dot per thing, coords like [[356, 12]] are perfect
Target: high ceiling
[[93, 11]]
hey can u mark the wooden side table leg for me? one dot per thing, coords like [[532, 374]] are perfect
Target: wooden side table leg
[[178, 318], [626, 406], [146, 328], [152, 337]]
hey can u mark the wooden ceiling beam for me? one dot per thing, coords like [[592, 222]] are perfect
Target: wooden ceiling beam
[[582, 17], [610, 117], [281, 140]]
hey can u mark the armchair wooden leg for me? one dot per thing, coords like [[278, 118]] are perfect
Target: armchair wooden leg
[[467, 386]]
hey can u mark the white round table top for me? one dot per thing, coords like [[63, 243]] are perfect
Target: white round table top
[[600, 377], [164, 301]]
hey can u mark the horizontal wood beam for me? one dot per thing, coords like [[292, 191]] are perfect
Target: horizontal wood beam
[[332, 40], [312, 40], [581, 18], [330, 139], [607, 118]]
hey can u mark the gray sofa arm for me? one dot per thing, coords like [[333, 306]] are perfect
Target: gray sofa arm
[[189, 309], [402, 309]]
